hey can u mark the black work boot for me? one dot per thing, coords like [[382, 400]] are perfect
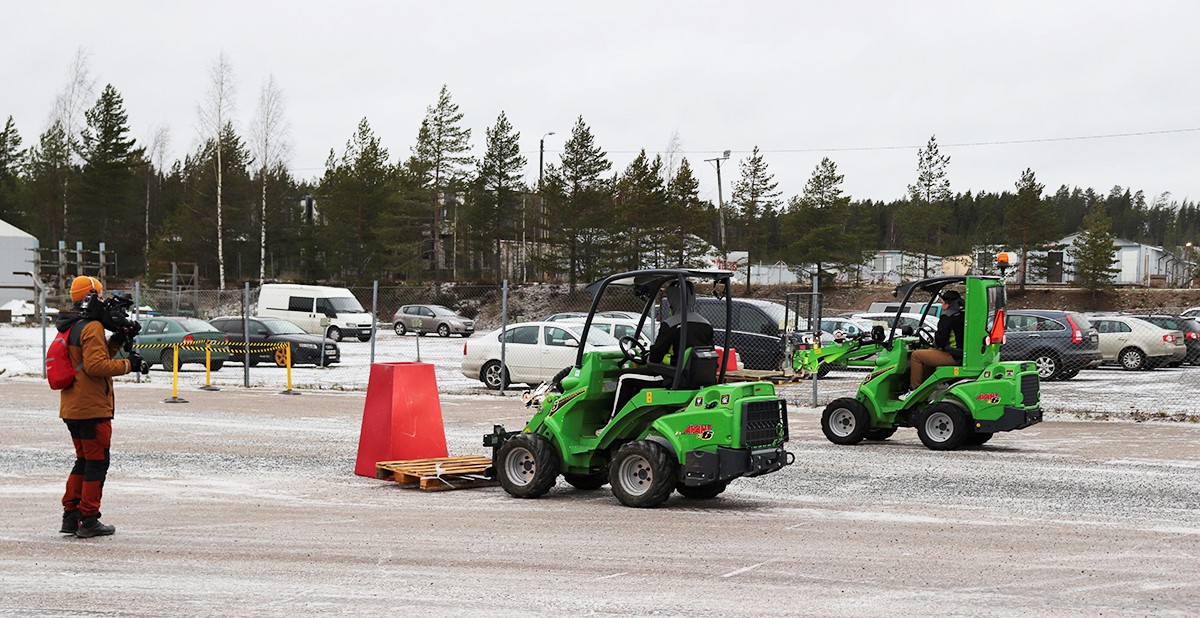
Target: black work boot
[[70, 522], [91, 526]]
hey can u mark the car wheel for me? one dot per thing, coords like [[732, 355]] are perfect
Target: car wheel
[[845, 421], [493, 375], [528, 466], [399, 328], [334, 333], [253, 361], [642, 474], [701, 492], [1132, 359], [942, 426], [1047, 366], [365, 338], [586, 482], [216, 365], [879, 434], [443, 330], [978, 438], [1068, 374], [167, 359]]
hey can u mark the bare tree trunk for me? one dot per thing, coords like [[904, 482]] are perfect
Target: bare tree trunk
[[213, 118], [271, 147], [68, 106]]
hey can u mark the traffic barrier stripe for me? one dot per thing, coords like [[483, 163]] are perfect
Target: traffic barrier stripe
[[231, 347]]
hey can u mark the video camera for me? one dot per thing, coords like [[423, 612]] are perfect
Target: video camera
[[112, 313]]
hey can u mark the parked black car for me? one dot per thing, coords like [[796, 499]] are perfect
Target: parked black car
[[1061, 343], [1190, 328], [306, 349], [756, 332]]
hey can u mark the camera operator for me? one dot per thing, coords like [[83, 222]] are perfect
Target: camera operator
[[86, 406]]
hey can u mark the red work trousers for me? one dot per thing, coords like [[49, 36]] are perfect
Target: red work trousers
[[85, 484]]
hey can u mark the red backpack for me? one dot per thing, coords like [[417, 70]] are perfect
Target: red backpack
[[59, 370]]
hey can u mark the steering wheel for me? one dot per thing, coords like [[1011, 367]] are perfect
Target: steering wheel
[[927, 335], [633, 349]]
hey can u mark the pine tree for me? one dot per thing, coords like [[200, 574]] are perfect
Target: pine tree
[[108, 202], [442, 147], [639, 199], [923, 220], [1093, 252], [497, 197], [578, 214], [754, 198], [356, 190], [684, 219], [12, 167], [1029, 220], [50, 171], [819, 225]]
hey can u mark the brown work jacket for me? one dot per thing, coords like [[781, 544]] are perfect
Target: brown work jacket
[[91, 396]]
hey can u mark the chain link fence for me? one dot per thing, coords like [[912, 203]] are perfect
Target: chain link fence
[[1138, 364]]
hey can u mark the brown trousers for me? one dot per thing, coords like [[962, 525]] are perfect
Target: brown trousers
[[923, 362]]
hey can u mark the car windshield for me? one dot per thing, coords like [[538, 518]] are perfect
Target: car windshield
[[775, 312], [442, 311], [344, 304], [193, 325], [282, 327], [595, 335]]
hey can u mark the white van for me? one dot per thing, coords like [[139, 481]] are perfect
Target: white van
[[318, 309]]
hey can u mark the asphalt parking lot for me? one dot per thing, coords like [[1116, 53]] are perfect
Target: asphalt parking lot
[[243, 503]]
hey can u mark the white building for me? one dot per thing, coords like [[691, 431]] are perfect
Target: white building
[[18, 253], [1136, 264]]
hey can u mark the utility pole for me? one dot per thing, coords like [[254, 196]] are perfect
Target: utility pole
[[721, 208], [541, 198]]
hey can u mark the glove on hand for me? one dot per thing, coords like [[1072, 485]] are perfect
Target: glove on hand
[[138, 364]]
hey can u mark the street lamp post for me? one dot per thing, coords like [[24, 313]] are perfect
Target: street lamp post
[[541, 199], [721, 207]]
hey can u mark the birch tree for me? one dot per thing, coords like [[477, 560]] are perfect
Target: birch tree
[[69, 105], [156, 155], [270, 145], [215, 112]]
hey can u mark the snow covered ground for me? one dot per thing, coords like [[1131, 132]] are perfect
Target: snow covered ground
[[1108, 391]]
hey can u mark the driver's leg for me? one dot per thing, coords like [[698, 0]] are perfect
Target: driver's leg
[[922, 362]]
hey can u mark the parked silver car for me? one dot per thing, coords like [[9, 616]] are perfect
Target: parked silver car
[[1134, 343], [423, 319]]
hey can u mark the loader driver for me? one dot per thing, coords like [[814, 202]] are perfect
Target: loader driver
[[947, 343], [679, 306]]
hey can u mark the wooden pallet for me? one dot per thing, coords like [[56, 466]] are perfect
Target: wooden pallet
[[753, 375], [439, 473]]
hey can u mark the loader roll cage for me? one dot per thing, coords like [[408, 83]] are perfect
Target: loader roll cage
[[646, 285], [979, 322]]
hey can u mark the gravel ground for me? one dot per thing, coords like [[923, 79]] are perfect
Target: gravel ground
[[243, 503]]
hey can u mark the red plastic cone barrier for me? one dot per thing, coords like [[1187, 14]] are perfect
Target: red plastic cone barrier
[[402, 418]]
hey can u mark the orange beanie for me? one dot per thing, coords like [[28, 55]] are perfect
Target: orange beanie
[[81, 286]]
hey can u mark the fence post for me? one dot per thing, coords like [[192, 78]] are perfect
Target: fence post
[[815, 314], [137, 313], [45, 321], [374, 318], [503, 328], [246, 335]]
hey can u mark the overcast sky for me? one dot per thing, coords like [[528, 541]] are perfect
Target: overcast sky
[[864, 83]]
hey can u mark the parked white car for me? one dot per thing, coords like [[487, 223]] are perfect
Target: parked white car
[[846, 327], [534, 352], [619, 327], [1194, 312], [1134, 343]]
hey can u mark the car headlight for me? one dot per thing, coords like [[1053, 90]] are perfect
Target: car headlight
[[309, 346]]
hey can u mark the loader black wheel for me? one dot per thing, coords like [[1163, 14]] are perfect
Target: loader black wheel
[[642, 474], [586, 482], [527, 466], [942, 426], [879, 434], [845, 421], [823, 369], [701, 492], [978, 438]]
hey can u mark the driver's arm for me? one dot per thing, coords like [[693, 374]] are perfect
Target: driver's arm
[[662, 344]]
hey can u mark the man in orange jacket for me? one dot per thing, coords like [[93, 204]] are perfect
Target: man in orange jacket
[[87, 407]]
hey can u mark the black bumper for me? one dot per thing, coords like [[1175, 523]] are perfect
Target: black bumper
[[1013, 418], [706, 467]]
